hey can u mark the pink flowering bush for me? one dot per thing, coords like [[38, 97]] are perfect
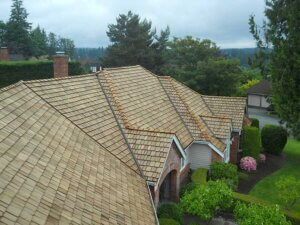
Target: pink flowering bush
[[248, 163], [262, 157]]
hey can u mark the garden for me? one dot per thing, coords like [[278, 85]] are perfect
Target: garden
[[248, 193]]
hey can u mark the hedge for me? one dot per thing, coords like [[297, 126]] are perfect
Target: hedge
[[293, 216], [251, 142], [12, 72], [254, 122], [273, 138], [199, 176]]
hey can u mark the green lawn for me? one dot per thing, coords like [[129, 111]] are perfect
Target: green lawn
[[266, 189]]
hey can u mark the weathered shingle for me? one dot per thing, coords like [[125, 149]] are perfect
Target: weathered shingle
[[82, 100], [52, 172]]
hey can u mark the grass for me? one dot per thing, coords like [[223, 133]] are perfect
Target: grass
[[266, 189]]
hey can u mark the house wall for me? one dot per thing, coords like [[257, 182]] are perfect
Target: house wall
[[173, 163], [258, 101], [201, 155], [234, 147]]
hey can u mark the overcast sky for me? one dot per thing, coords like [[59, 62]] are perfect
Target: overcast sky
[[85, 21]]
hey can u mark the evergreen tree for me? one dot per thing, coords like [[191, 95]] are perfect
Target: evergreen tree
[[17, 30], [282, 32], [133, 42], [52, 44], [39, 42]]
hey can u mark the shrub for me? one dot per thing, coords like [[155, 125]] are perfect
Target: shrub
[[289, 188], [225, 171], [291, 215], [167, 221], [254, 122], [171, 211], [187, 188], [273, 138], [199, 176], [254, 214], [251, 142], [206, 201], [262, 158], [243, 176], [248, 163]]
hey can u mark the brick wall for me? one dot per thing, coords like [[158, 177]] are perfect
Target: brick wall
[[215, 157], [60, 66], [172, 166], [234, 147]]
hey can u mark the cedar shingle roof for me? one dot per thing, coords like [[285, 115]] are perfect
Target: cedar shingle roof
[[52, 172], [83, 143], [228, 107]]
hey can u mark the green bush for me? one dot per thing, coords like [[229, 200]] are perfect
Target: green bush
[[207, 200], [254, 122], [187, 188], [254, 214], [273, 138], [225, 171], [248, 199], [171, 211], [251, 142], [243, 176], [167, 221], [199, 176], [12, 72]]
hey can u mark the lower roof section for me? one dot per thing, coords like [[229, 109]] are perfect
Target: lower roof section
[[52, 172]]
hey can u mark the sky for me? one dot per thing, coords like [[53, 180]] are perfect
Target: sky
[[85, 21]]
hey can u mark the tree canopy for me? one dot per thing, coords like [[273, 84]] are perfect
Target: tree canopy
[[18, 36], [281, 31], [201, 65], [134, 42]]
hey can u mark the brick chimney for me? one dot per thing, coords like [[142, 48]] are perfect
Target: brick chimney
[[60, 65], [4, 55]]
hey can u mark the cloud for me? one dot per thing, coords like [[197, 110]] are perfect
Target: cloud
[[85, 21]]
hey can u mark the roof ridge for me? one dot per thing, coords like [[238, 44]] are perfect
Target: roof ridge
[[150, 130], [221, 96], [172, 103], [195, 92], [214, 116], [52, 106], [59, 78], [122, 67], [192, 114]]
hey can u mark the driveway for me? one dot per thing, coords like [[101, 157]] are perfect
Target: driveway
[[263, 117]]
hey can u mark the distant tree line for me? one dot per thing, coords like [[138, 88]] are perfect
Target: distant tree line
[[18, 36]]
